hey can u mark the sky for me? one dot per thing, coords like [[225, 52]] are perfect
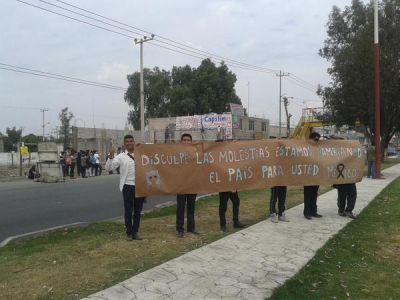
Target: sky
[[279, 35]]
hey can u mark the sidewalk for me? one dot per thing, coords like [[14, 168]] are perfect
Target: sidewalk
[[250, 263]]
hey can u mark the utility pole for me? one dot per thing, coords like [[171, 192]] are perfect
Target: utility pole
[[43, 124], [280, 75], [141, 41], [288, 116], [248, 98], [377, 94]]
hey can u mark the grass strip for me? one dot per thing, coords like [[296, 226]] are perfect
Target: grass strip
[[361, 262]]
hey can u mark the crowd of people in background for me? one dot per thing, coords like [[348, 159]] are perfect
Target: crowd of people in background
[[83, 163]]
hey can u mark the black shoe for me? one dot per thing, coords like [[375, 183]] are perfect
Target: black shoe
[[316, 215], [193, 232], [307, 217], [136, 236], [223, 229], [350, 215], [239, 225], [179, 234], [342, 214]]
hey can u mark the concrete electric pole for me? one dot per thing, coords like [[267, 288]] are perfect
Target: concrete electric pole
[[280, 75], [43, 124], [248, 98], [141, 41]]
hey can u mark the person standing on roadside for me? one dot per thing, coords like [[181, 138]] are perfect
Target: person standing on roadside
[[278, 194], [311, 191], [223, 203], [188, 200], [83, 163], [126, 162], [347, 195], [96, 161], [79, 163], [73, 156], [371, 161]]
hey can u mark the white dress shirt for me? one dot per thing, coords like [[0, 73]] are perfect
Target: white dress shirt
[[126, 168]]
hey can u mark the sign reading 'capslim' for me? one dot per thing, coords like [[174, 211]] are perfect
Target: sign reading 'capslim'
[[228, 166]]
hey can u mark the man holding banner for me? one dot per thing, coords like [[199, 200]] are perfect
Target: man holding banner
[[223, 203], [278, 194], [126, 162], [311, 191], [347, 194], [188, 200]]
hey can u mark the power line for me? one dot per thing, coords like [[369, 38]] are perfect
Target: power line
[[17, 69], [75, 19], [301, 85], [97, 116], [91, 18], [303, 81], [194, 53], [164, 38], [185, 49], [202, 57]]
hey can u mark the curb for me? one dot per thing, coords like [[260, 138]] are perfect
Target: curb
[[42, 232]]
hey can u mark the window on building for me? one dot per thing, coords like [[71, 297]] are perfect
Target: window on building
[[251, 125], [241, 124], [264, 126]]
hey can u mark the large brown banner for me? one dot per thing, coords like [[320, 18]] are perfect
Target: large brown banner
[[239, 165]]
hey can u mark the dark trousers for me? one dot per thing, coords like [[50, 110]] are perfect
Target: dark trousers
[[371, 169], [346, 193], [96, 169], [66, 170], [189, 201], [278, 194], [72, 170], [131, 203], [223, 203], [310, 199], [83, 171]]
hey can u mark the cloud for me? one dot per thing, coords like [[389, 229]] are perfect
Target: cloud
[[276, 34], [114, 74]]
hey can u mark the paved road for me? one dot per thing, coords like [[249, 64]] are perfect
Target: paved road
[[27, 206]]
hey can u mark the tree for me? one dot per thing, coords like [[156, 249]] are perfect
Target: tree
[[183, 91], [12, 139], [32, 141], [213, 87], [156, 89], [182, 97], [349, 47], [64, 132]]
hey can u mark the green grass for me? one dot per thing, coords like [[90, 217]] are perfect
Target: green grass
[[361, 262], [71, 264], [389, 162]]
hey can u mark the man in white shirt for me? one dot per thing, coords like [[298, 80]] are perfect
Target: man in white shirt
[[126, 162]]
